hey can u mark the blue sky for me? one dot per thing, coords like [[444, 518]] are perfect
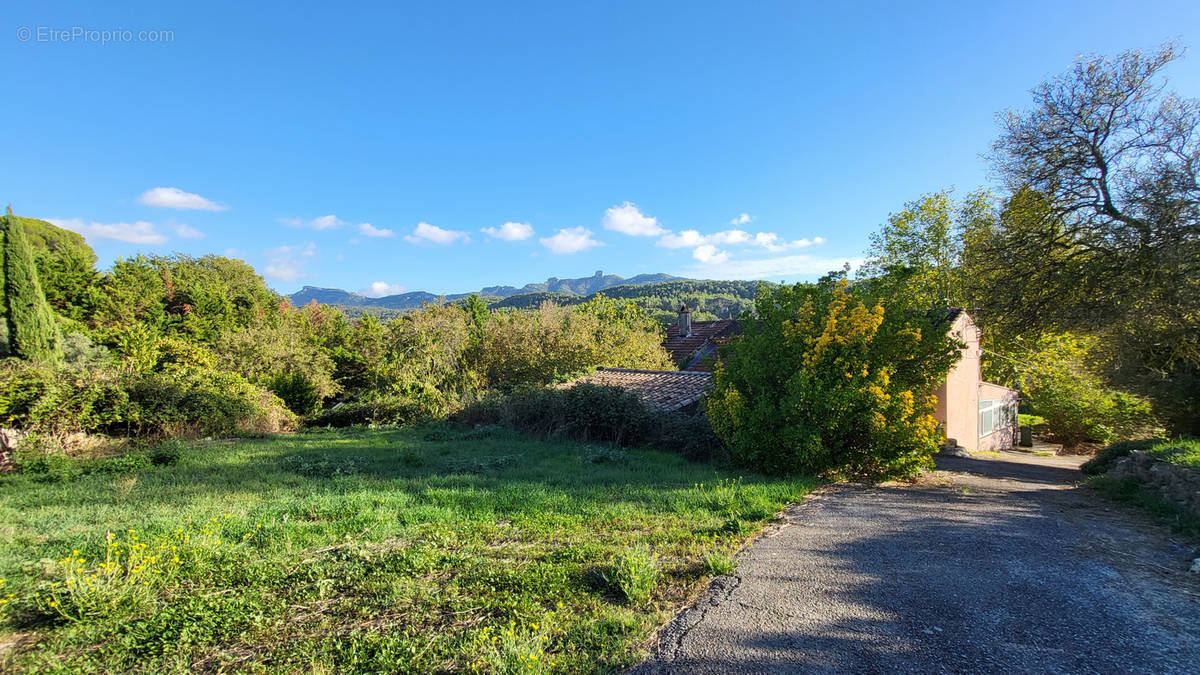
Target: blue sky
[[448, 146]]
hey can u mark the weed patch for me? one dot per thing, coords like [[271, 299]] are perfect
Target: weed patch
[[385, 550]]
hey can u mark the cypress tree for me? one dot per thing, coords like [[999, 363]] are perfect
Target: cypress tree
[[5, 346], [32, 329]]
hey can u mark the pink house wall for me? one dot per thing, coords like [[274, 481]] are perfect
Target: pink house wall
[[958, 398]]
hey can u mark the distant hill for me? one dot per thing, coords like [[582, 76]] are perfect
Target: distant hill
[[581, 287], [708, 300], [336, 296]]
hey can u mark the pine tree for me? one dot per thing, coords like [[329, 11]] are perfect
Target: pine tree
[[31, 326]]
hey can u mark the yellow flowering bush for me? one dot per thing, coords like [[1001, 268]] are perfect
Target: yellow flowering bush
[[828, 381]]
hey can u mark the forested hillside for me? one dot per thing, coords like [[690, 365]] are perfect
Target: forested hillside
[[708, 300]]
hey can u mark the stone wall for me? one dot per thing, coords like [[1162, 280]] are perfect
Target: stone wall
[[1179, 484]]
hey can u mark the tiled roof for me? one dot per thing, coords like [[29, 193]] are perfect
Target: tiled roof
[[682, 348], [658, 389]]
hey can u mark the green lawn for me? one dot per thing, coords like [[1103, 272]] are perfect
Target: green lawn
[[389, 550]]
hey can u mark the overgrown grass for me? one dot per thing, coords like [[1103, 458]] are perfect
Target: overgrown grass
[[1136, 493], [419, 549], [1182, 451]]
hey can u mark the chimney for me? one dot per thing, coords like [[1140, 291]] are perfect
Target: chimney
[[685, 321]]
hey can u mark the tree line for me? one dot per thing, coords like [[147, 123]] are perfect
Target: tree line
[[179, 345]]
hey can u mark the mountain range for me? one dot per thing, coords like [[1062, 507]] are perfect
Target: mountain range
[[582, 286]]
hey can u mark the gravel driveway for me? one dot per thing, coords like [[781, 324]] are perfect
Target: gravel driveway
[[993, 564]]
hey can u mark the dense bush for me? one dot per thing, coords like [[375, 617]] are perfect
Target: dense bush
[[830, 382], [296, 391], [554, 344], [370, 411], [201, 403], [1077, 405], [599, 414], [57, 401]]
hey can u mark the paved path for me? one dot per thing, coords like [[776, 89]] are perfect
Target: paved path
[[994, 564]]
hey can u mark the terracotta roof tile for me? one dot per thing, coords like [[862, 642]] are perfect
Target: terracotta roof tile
[[658, 389], [683, 348]]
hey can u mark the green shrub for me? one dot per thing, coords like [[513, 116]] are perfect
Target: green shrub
[[374, 411], [1077, 405], [634, 573], [166, 453], [37, 456], [1182, 451], [297, 392], [196, 402], [826, 381], [598, 414], [128, 463], [55, 401]]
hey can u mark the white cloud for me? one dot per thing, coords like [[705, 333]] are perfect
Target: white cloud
[[628, 219], [768, 240], [742, 219], [424, 233], [370, 230], [140, 232], [708, 253], [188, 232], [685, 239], [731, 237], [510, 231], [378, 289], [774, 243], [234, 253], [328, 222], [287, 263], [571, 240], [787, 267], [174, 198]]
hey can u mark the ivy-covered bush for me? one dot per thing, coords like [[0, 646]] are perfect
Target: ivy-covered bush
[[826, 381]]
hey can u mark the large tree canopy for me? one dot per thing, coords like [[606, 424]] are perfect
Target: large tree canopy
[[1104, 169], [1102, 231]]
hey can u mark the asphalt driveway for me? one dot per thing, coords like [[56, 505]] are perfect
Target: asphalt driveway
[[996, 564]]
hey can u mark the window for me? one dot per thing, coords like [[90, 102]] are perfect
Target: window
[[996, 414]]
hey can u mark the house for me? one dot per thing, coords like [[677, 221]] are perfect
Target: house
[[978, 415], [975, 414], [693, 344]]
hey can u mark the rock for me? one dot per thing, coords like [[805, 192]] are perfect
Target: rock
[[1196, 565]]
